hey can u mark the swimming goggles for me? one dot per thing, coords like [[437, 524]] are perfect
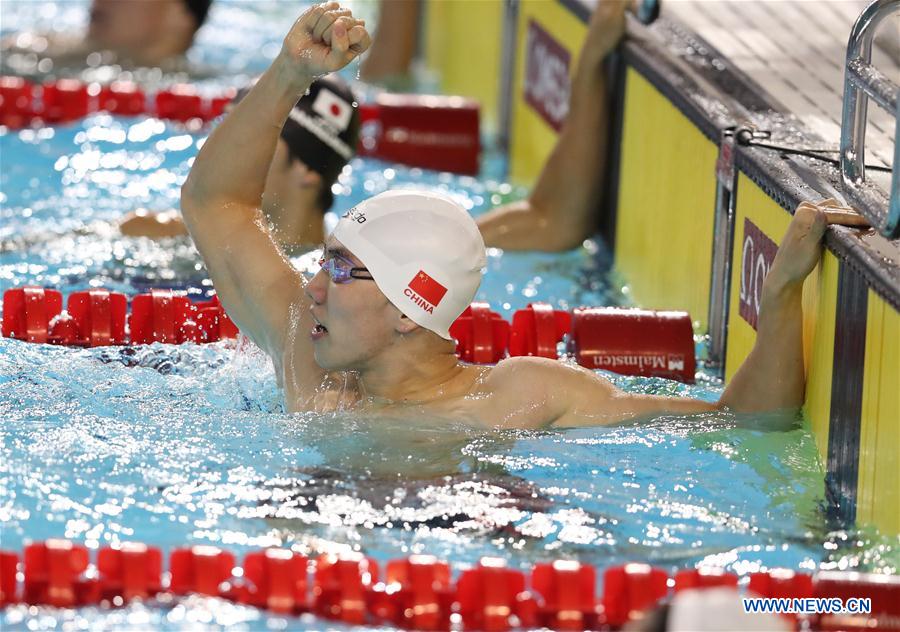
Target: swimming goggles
[[341, 270]]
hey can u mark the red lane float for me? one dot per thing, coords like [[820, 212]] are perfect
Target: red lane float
[[537, 329], [160, 316], [93, 318], [704, 578], [491, 594], [781, 582], [481, 335], [214, 323], [568, 593], [418, 592], [217, 105], [276, 579], [27, 312], [630, 590], [16, 102], [341, 586], [130, 571], [635, 342], [97, 318], [180, 103], [53, 575], [66, 100], [23, 104], [123, 98], [204, 570], [427, 131], [9, 563]]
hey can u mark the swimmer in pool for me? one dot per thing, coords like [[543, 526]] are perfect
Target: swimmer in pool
[[579, 157], [563, 208], [369, 332], [132, 33], [568, 193], [318, 138]]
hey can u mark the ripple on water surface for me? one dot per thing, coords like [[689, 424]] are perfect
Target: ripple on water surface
[[171, 445]]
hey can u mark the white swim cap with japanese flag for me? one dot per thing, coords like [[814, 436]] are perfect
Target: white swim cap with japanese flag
[[424, 251]]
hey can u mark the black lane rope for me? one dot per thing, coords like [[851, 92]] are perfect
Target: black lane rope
[[748, 138]]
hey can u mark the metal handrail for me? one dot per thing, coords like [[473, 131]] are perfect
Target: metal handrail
[[861, 81]]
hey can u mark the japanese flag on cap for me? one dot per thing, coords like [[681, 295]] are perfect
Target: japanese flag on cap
[[333, 109], [424, 251], [323, 129]]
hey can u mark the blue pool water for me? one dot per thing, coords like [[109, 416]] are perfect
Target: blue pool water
[[175, 445]]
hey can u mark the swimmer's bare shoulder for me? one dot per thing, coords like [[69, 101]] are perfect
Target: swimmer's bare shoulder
[[539, 392]]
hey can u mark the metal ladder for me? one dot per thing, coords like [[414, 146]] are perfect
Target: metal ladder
[[862, 81]]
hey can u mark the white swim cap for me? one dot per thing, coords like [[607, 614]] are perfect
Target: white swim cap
[[424, 251]]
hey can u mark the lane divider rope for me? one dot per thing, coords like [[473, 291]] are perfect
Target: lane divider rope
[[416, 592], [626, 341], [419, 130]]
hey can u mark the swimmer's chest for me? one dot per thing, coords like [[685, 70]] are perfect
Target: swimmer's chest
[[466, 411], [478, 405]]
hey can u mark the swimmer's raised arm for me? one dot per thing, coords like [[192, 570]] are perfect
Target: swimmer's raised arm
[[221, 199], [562, 209]]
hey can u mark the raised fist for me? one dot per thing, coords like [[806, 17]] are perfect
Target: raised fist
[[325, 39]]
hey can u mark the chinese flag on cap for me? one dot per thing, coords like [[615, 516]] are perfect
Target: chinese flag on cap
[[427, 288], [333, 109]]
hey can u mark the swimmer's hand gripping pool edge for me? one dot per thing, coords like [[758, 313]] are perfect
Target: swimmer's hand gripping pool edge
[[772, 378]]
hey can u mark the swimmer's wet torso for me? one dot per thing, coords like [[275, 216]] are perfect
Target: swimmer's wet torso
[[470, 395], [372, 334]]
